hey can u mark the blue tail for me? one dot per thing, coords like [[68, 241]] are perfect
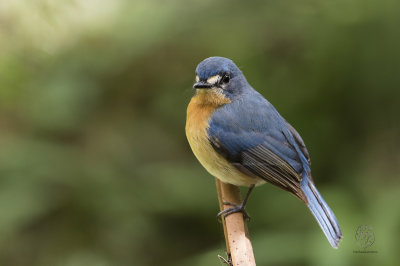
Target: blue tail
[[322, 213]]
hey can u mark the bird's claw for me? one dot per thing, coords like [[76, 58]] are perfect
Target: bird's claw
[[234, 209]]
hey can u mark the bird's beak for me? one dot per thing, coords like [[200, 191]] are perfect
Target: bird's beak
[[202, 85]]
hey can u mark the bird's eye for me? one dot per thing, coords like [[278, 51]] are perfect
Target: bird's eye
[[226, 78]]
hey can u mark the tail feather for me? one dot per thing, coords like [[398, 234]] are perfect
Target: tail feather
[[322, 213]]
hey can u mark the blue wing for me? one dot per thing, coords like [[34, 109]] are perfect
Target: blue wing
[[252, 136]]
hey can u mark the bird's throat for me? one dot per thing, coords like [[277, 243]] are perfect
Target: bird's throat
[[212, 96]]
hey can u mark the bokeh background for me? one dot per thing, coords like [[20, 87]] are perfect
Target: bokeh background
[[95, 168]]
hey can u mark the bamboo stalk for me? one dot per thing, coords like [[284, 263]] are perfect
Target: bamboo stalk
[[237, 239]]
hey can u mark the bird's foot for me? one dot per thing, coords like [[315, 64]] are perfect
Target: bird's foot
[[235, 208]]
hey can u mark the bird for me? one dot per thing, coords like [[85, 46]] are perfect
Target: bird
[[240, 138]]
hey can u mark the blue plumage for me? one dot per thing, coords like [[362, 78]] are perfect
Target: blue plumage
[[249, 122], [216, 65], [322, 213], [250, 134]]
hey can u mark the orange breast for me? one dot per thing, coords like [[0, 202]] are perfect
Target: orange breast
[[199, 113]]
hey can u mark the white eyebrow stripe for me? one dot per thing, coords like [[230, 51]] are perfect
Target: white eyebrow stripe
[[213, 79], [197, 78]]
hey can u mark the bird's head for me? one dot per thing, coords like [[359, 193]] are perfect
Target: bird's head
[[219, 75]]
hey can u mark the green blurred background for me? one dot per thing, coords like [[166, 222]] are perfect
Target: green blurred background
[[95, 168]]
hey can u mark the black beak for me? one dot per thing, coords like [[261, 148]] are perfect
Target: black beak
[[202, 85]]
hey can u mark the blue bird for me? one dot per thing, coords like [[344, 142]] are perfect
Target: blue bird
[[240, 138]]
